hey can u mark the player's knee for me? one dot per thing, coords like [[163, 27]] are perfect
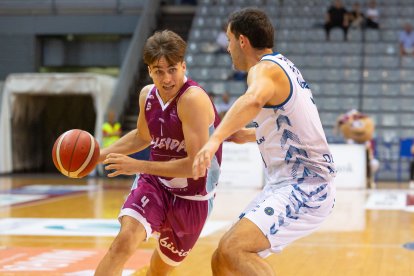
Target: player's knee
[[218, 263], [215, 261], [157, 270], [228, 246], [124, 244]]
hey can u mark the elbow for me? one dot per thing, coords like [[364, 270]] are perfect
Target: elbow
[[256, 103]]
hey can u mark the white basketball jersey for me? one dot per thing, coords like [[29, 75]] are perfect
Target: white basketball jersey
[[290, 135]]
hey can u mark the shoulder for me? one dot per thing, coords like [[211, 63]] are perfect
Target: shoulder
[[266, 77], [265, 69], [145, 90], [193, 93], [143, 94], [194, 100]]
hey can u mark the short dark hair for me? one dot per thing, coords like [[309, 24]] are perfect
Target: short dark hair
[[165, 44], [255, 25]]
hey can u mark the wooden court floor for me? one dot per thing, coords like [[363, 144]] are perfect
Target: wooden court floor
[[365, 235]]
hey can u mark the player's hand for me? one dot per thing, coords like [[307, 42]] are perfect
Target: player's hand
[[202, 160], [102, 157], [120, 164]]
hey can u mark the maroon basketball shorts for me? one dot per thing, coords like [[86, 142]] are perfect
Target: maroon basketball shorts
[[178, 221]]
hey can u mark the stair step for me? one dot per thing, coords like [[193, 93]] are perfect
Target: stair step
[[130, 118], [177, 19]]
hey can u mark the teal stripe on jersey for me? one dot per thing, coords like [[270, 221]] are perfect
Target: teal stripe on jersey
[[214, 171]]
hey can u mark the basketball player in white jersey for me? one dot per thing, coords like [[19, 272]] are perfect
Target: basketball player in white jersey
[[299, 170]]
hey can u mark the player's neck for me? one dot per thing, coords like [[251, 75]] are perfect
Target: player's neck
[[261, 53], [165, 98], [256, 56]]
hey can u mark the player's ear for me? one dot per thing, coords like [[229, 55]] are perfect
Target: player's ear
[[243, 40], [184, 65], [149, 71]]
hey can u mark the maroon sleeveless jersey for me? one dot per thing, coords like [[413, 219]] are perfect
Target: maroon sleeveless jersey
[[168, 143]]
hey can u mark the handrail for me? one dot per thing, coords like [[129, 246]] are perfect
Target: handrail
[[133, 58], [53, 7]]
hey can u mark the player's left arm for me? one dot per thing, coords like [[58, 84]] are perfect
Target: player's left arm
[[262, 88], [196, 113], [242, 136], [267, 85]]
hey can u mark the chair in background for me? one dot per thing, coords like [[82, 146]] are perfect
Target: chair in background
[[405, 154]]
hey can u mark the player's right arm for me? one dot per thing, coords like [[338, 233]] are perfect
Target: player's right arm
[[268, 84], [242, 136], [135, 140]]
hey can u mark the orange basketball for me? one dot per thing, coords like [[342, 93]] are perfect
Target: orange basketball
[[75, 153]]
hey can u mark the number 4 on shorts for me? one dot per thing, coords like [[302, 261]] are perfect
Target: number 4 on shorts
[[144, 201]]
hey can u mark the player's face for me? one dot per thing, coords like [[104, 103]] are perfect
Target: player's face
[[167, 78], [234, 50]]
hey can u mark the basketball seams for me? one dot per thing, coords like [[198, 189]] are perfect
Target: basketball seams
[[62, 169], [72, 153], [88, 158]]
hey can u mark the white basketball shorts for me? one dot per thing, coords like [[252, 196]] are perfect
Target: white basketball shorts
[[285, 214]]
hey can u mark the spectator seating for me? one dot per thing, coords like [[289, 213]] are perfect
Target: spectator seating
[[365, 72]]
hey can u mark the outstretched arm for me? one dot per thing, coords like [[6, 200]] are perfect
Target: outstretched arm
[[267, 84], [134, 141], [242, 136]]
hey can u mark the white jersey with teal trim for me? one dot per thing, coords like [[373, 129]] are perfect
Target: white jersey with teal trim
[[290, 135]]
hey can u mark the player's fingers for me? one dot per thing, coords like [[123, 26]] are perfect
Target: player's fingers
[[113, 174], [108, 160], [113, 155], [206, 161], [111, 160], [197, 167], [194, 169], [201, 169]]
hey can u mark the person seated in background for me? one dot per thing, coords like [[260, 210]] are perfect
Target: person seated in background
[[239, 75], [219, 45], [222, 41], [411, 184], [356, 16], [406, 39], [337, 16], [212, 96], [111, 130], [372, 15], [224, 105]]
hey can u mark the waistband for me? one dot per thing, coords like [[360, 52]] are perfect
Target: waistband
[[199, 197]]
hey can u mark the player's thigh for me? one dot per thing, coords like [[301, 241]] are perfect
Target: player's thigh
[[147, 203], [132, 230], [245, 236], [184, 223], [288, 213]]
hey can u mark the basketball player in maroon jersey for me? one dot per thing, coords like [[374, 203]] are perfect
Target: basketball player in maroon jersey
[[176, 118]]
